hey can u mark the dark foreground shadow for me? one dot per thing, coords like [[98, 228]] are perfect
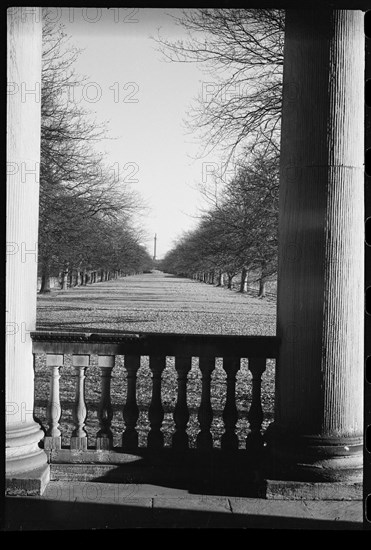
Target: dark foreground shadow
[[29, 514]]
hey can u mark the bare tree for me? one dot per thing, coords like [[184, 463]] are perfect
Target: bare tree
[[242, 51], [79, 195]]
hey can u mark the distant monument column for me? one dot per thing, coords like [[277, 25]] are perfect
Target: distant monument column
[[154, 247], [26, 465], [318, 428]]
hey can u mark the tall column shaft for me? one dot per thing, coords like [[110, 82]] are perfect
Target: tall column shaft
[[319, 379], [24, 33]]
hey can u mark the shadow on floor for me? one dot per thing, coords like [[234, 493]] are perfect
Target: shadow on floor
[[29, 514]]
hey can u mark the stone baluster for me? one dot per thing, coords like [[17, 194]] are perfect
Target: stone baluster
[[254, 439], [205, 413], [131, 411], [105, 412], [52, 438], [79, 438], [156, 411], [230, 415], [181, 413]]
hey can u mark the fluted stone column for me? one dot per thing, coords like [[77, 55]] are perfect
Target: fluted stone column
[[318, 426], [26, 466]]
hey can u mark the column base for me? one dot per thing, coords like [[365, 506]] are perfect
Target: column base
[[313, 458], [30, 483], [26, 467], [22, 448]]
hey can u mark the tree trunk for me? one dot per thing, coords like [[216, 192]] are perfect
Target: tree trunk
[[45, 279], [45, 284], [243, 279], [230, 279], [80, 277], [262, 280], [65, 279], [262, 283]]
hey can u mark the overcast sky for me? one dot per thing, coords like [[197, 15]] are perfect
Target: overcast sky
[[145, 100]]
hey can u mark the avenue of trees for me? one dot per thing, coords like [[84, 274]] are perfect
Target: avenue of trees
[[237, 234], [86, 215], [87, 211], [239, 111]]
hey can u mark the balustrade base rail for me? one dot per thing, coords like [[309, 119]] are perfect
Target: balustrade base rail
[[214, 472], [172, 452]]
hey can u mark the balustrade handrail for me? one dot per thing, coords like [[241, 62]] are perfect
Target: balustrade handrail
[[150, 343]]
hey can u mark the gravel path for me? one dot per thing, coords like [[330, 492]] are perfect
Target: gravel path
[[155, 302]]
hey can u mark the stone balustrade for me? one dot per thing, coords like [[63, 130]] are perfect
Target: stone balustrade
[[158, 347]]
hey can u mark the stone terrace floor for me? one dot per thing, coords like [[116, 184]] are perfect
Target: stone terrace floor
[[85, 506]]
